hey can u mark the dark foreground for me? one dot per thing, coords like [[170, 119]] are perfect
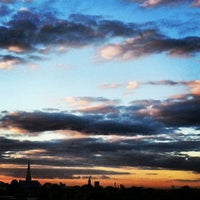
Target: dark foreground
[[13, 191]]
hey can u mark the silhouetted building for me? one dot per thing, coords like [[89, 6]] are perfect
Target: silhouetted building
[[89, 181], [28, 174], [96, 184], [122, 186], [29, 185]]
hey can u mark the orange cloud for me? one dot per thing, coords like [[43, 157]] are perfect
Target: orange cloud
[[132, 85], [77, 102], [85, 103], [151, 3], [8, 64], [98, 109], [16, 49], [194, 87], [110, 51]]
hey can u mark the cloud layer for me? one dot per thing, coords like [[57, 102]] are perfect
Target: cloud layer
[[151, 42], [28, 36], [147, 132], [114, 122]]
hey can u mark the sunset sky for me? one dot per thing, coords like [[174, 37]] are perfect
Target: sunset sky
[[108, 89]]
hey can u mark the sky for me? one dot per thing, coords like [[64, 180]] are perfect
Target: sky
[[107, 89]]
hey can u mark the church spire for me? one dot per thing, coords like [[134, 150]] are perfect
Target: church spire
[[28, 174], [89, 181]]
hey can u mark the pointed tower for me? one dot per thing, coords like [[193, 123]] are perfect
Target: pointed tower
[[28, 174], [89, 181]]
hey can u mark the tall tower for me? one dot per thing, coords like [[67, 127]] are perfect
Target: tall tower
[[28, 174], [89, 181]]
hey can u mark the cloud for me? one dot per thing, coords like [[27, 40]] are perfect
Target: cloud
[[112, 122], [153, 152], [175, 112], [187, 180], [93, 105], [132, 85], [87, 101], [8, 61], [191, 87], [17, 35], [110, 86], [29, 32], [184, 113], [43, 121], [150, 42], [98, 109], [142, 154], [48, 173], [16, 49], [111, 51], [194, 87], [165, 82], [88, 31], [102, 116], [155, 3]]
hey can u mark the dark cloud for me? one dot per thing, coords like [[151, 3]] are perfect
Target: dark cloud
[[29, 31], [166, 82], [152, 42], [151, 160], [185, 113], [145, 117], [89, 124], [117, 28], [57, 173], [187, 180], [160, 146], [82, 32], [7, 58], [177, 112], [16, 145], [44, 121], [18, 35], [91, 152]]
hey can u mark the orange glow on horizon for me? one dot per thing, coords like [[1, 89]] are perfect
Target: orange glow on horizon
[[137, 177]]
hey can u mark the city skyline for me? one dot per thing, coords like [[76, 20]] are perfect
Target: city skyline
[[108, 90]]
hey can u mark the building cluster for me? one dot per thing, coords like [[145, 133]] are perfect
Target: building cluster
[[96, 183], [26, 189], [29, 189]]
